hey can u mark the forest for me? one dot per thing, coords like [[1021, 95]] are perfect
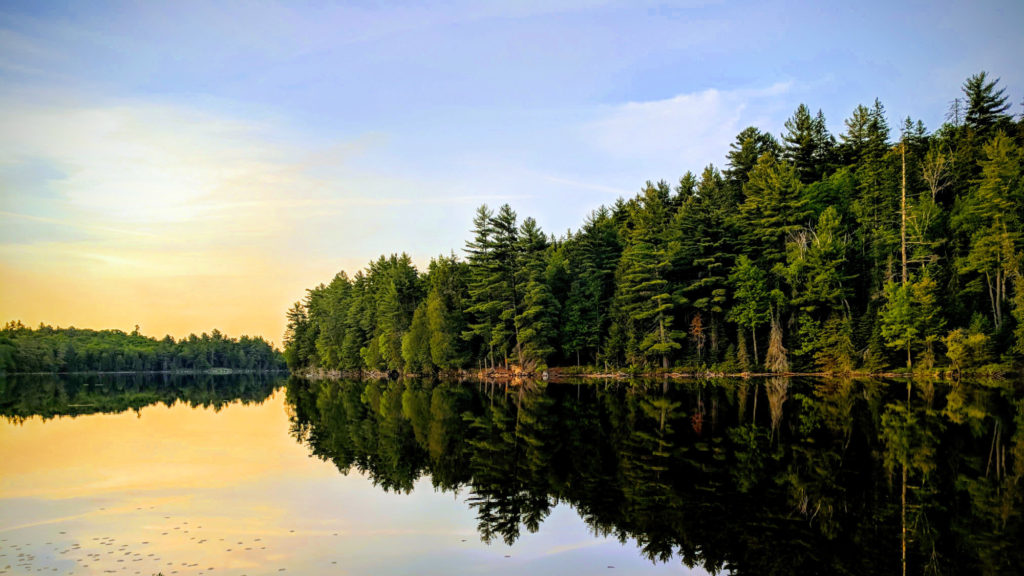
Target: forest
[[885, 248], [49, 349]]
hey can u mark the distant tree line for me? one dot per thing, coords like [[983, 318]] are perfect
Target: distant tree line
[[49, 349], [868, 251]]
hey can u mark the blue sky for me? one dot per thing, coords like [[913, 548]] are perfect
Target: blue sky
[[175, 155]]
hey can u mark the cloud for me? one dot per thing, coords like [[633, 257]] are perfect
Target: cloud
[[588, 186], [689, 130], [149, 198]]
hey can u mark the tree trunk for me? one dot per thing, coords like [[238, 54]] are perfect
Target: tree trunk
[[661, 334], [903, 521], [753, 414], [1000, 294], [903, 212], [753, 337]]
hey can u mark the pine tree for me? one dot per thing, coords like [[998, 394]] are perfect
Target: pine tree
[[815, 271], [397, 293], [701, 249], [751, 298], [593, 256], [331, 321], [504, 280], [643, 299], [773, 208], [986, 106], [295, 353], [481, 307], [416, 342], [989, 217], [446, 297], [807, 144], [815, 266], [535, 322], [750, 144]]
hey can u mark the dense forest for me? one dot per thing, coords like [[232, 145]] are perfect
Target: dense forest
[[750, 476], [882, 248], [48, 349]]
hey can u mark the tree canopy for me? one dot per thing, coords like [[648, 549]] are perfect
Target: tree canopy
[[874, 250]]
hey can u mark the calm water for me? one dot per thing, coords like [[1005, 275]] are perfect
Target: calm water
[[126, 475], [239, 475]]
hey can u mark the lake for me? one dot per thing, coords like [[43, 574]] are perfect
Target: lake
[[254, 475]]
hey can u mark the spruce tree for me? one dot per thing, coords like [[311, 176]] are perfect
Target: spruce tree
[[807, 144], [536, 321], [643, 299], [986, 106]]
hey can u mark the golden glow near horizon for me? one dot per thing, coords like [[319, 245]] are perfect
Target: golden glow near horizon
[[182, 490], [160, 217], [154, 450]]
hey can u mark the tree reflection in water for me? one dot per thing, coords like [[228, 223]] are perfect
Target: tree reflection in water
[[825, 482], [52, 395]]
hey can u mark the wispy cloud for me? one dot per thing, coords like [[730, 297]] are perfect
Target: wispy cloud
[[67, 223], [588, 186], [689, 130]]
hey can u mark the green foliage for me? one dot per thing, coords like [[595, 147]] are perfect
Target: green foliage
[[899, 319], [643, 300], [750, 294], [49, 349], [416, 342], [805, 235], [808, 145], [986, 106], [536, 322], [967, 348], [753, 476]]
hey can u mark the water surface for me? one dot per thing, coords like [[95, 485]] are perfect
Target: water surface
[[214, 475]]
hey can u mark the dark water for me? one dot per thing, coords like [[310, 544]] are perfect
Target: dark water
[[237, 475]]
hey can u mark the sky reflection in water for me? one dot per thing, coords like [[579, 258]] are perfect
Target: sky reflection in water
[[183, 490]]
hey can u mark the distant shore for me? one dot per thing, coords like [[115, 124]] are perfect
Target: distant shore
[[207, 371]]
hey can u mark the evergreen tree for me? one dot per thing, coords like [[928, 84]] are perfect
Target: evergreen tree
[[536, 320], [868, 245], [446, 321], [504, 280], [750, 144], [481, 307], [986, 106], [807, 144], [593, 257], [773, 209], [643, 299], [702, 251], [416, 342], [989, 217], [751, 298]]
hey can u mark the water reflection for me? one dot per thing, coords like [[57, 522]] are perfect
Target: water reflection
[[751, 476], [51, 395], [202, 477]]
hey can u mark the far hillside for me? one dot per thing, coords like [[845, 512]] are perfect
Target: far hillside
[[49, 349]]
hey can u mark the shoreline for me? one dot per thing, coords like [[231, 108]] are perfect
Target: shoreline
[[208, 372], [560, 374]]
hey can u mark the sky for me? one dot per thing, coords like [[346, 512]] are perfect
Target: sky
[[185, 166]]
